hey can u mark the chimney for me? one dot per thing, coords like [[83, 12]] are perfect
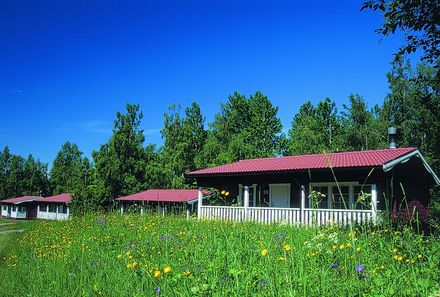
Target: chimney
[[392, 135]]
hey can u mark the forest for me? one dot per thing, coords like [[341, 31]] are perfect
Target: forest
[[245, 127]]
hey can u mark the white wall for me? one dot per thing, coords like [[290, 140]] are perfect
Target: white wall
[[4, 212], [46, 215]]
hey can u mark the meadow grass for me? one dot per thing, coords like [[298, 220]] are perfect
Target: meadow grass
[[133, 255]]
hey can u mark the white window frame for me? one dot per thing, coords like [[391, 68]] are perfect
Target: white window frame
[[330, 185]]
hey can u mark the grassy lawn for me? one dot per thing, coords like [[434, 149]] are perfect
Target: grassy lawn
[[136, 255], [6, 239]]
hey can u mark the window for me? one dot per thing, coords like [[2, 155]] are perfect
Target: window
[[341, 197], [320, 196], [14, 208], [62, 208], [362, 197], [43, 208], [350, 195], [52, 208]]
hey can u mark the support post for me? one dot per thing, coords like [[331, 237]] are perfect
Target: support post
[[38, 210], [246, 201], [68, 211], [142, 210], [303, 204], [122, 209], [56, 213], [374, 202], [199, 203], [187, 214]]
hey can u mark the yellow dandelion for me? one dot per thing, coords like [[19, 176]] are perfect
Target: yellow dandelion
[[264, 252], [282, 258], [395, 257], [157, 273], [342, 247], [167, 269], [358, 249], [287, 247], [400, 258], [419, 256], [186, 273], [382, 267], [395, 250]]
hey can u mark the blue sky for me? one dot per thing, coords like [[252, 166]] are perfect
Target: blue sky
[[66, 67]]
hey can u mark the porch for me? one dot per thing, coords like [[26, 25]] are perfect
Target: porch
[[287, 215]]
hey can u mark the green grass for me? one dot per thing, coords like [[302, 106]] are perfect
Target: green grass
[[130, 256]]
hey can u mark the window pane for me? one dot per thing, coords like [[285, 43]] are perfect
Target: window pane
[[321, 196], [340, 202], [362, 197]]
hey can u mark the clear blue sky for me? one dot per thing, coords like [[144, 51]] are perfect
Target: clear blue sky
[[65, 69]]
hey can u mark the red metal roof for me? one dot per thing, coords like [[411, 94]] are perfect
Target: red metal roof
[[174, 195], [20, 199], [60, 198], [371, 158]]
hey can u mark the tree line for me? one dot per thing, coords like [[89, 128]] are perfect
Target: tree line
[[245, 127]]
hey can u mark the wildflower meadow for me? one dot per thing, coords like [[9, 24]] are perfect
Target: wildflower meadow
[[149, 255]]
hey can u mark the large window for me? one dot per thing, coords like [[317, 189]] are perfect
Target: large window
[[52, 208], [62, 208], [362, 197], [319, 197], [345, 195]]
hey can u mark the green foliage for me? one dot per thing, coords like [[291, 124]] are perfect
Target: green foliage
[[316, 129], [132, 255], [20, 176], [244, 128], [363, 128], [418, 20], [413, 106], [434, 219], [184, 138], [69, 170], [121, 163]]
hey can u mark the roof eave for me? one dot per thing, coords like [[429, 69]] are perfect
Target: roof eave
[[402, 159]]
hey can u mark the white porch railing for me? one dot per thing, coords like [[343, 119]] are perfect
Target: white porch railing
[[222, 213], [339, 216], [286, 215], [273, 215]]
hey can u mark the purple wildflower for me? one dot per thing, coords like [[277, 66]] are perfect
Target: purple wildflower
[[360, 268], [334, 265], [158, 290]]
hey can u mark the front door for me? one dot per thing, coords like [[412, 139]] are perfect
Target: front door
[[279, 195]]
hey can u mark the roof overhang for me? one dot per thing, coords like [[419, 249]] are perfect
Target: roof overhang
[[405, 158], [19, 202]]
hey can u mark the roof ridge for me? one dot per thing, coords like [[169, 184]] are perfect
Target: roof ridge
[[319, 154]]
